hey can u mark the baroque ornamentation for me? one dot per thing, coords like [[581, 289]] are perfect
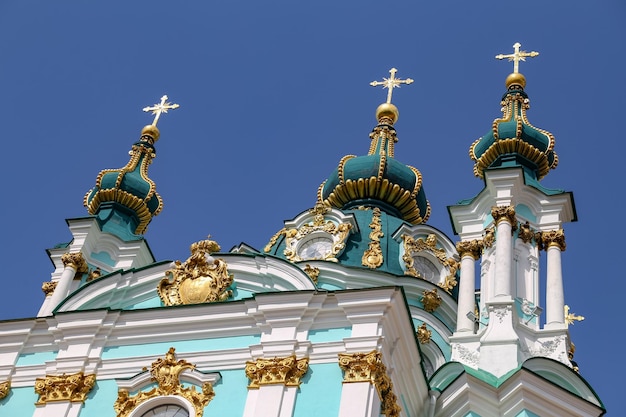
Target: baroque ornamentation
[[526, 233], [504, 213], [423, 334], [48, 287], [414, 246], [431, 300], [373, 256], [368, 367], [200, 279], [489, 236], [466, 356], [73, 388], [166, 373], [338, 233], [75, 261], [500, 312], [94, 274], [5, 388], [472, 248], [570, 318], [553, 238], [273, 240], [287, 371], [312, 271]]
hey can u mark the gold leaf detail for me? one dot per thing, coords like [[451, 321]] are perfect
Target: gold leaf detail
[[166, 372], [423, 334], [373, 256], [5, 388], [431, 300], [287, 371], [72, 388], [200, 279]]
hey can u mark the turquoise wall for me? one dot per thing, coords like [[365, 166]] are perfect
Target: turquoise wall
[[230, 395], [19, 403], [35, 358], [320, 391], [101, 399]]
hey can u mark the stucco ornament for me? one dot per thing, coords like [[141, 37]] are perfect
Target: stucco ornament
[[200, 279], [166, 372], [73, 388]]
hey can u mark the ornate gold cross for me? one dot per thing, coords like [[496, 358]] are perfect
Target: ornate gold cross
[[391, 83], [160, 108], [517, 56]]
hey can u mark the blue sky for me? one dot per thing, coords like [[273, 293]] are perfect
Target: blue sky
[[272, 94]]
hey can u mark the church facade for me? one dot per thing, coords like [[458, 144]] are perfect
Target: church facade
[[355, 308]]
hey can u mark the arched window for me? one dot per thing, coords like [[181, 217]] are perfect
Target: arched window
[[166, 410]]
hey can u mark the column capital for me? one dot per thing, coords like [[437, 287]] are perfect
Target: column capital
[[553, 238], [504, 213], [73, 388], [471, 248], [287, 371], [75, 261]]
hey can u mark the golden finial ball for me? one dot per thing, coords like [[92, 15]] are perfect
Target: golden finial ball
[[152, 131], [515, 78], [387, 110]]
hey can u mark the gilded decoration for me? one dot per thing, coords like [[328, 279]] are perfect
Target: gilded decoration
[[287, 371], [338, 233], [73, 388], [5, 388], [570, 318], [431, 300], [570, 356], [489, 236], [526, 233], [274, 239], [76, 262], [94, 274], [471, 248], [412, 247], [553, 238], [166, 373], [48, 287], [312, 271], [423, 334], [368, 367], [200, 279], [503, 213], [373, 256]]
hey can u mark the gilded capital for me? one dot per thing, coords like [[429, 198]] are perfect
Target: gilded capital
[[166, 373], [5, 388], [553, 238], [287, 371], [503, 213], [73, 388], [48, 287], [471, 248], [75, 261], [369, 367]]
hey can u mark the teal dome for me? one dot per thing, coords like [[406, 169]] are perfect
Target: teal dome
[[127, 193], [378, 180], [513, 140]]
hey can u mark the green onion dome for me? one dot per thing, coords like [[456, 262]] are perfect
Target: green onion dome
[[126, 196], [513, 141], [377, 179]]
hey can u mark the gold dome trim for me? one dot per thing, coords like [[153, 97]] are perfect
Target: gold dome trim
[[507, 146]]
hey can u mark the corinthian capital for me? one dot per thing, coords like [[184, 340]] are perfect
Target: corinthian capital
[[472, 248], [553, 238], [75, 261], [503, 213]]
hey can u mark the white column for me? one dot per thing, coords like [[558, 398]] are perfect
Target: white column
[[555, 299], [504, 218], [359, 399], [74, 263], [469, 252], [58, 409]]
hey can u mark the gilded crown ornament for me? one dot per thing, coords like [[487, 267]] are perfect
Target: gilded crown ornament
[[200, 279]]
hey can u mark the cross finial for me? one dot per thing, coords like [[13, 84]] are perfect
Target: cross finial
[[517, 56], [391, 83], [160, 108]]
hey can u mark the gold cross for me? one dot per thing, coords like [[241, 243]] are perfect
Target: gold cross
[[391, 83], [160, 108], [570, 317], [517, 56]]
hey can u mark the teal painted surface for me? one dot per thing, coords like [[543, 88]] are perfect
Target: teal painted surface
[[527, 413], [19, 403], [230, 395], [103, 257], [524, 211], [472, 414], [35, 358], [153, 302], [242, 294], [101, 399], [117, 352], [416, 303], [329, 335], [329, 287], [320, 392]]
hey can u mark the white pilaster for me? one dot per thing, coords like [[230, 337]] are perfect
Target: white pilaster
[[467, 286], [359, 399], [555, 301], [503, 262]]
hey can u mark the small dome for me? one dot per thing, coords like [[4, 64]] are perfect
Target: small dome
[[513, 140]]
